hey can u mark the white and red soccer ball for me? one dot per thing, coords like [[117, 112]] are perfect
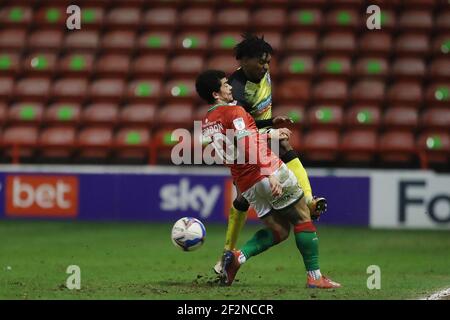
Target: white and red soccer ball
[[188, 234]]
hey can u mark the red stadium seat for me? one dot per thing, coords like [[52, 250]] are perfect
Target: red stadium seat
[[342, 19], [301, 42], [235, 19], [270, 19], [338, 43], [359, 146], [57, 142], [310, 3], [409, 68], [92, 16], [371, 67], [438, 93], [111, 65], [6, 87], [46, 40], [434, 147], [200, 112], [292, 91], [9, 63], [138, 114], [326, 116], [401, 117], [196, 18], [81, 40], [3, 113], [12, 38], [443, 21], [70, 89], [20, 141], [76, 64], [330, 91], [321, 145], [368, 91], [100, 114], [224, 42], [176, 115], [305, 18], [185, 66], [414, 45], [16, 16], [275, 39], [162, 143], [375, 43], [435, 118], [107, 89], [118, 41], [94, 142], [441, 44], [180, 90], [144, 90], [33, 89], [25, 112], [160, 19], [51, 17], [416, 20], [132, 143], [405, 92], [155, 42], [363, 116], [297, 66], [295, 112], [440, 69], [226, 63], [397, 147], [388, 20], [149, 65], [123, 18], [61, 113], [191, 42], [422, 4], [334, 67], [38, 64]]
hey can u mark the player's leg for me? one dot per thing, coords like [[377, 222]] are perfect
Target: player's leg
[[318, 205]]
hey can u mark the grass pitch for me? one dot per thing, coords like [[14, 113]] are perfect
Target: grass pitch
[[138, 261]]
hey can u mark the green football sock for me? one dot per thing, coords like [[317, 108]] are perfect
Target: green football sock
[[260, 242], [308, 245]]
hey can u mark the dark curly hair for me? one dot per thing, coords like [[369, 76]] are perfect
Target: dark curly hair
[[252, 46], [207, 82]]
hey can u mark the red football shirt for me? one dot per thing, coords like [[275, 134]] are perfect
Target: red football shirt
[[235, 136]]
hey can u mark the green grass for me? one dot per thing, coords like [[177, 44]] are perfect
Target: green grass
[[138, 261]]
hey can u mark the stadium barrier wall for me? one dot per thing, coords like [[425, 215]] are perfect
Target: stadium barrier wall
[[384, 199]]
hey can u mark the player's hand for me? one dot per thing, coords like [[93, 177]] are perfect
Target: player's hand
[[282, 120], [275, 186], [280, 134]]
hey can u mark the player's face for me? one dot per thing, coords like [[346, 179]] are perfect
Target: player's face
[[256, 68], [225, 94]]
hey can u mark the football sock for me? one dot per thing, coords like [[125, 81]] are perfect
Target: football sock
[[308, 244], [294, 164], [236, 221], [315, 274], [260, 242]]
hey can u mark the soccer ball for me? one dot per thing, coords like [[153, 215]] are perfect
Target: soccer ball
[[188, 234]]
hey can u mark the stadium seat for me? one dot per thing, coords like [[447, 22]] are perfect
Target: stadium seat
[[16, 16], [12, 39], [301, 42], [149, 65], [6, 87], [297, 66], [296, 140], [422, 4], [292, 91], [397, 147], [39, 64], [441, 44], [443, 21], [224, 42], [61, 113], [92, 16], [51, 17], [338, 43], [3, 113], [388, 20], [434, 148], [405, 92], [112, 65], [321, 145], [326, 116], [342, 19], [227, 63], [45, 40], [319, 4], [414, 45], [123, 18], [160, 19], [200, 112], [107, 90], [19, 141], [438, 93], [57, 142], [94, 143], [191, 42], [176, 115], [295, 112], [32, 89], [275, 39], [305, 18], [196, 18], [232, 19], [330, 91], [375, 43], [368, 91], [81, 40], [145, 90], [180, 90], [9, 63], [371, 67], [365, 116], [132, 143], [76, 64], [401, 117], [155, 42], [161, 145], [70, 89], [25, 112], [440, 69], [185, 66], [118, 41], [416, 20], [100, 114], [138, 114], [359, 146], [435, 118], [334, 67], [268, 19], [408, 68]]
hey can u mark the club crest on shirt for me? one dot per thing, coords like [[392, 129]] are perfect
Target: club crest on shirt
[[239, 123]]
